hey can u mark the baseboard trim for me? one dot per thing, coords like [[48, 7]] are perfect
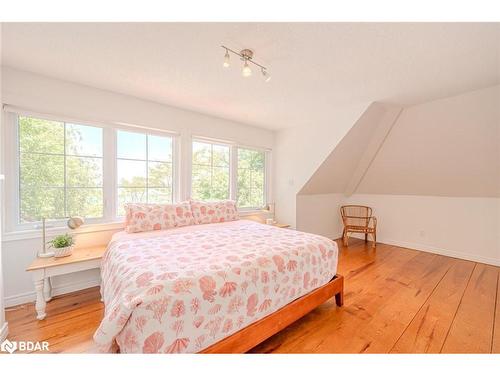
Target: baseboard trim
[[4, 331], [28, 297], [437, 250], [440, 251]]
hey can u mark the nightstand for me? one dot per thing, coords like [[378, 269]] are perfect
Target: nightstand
[[42, 268]]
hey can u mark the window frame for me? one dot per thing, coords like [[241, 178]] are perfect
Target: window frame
[[181, 171], [12, 210], [175, 162], [65, 155], [233, 169], [213, 143], [265, 195]]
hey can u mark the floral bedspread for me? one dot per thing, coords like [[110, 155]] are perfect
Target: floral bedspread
[[182, 290]]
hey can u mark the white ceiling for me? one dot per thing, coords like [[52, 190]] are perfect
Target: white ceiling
[[314, 66]]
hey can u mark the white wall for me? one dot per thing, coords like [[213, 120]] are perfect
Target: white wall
[[461, 227], [46, 95], [434, 183], [319, 213], [466, 228], [3, 324]]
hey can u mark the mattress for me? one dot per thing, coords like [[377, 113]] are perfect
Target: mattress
[[182, 290]]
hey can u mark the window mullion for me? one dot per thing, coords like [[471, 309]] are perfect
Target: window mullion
[[64, 168], [147, 168], [109, 174], [233, 173]]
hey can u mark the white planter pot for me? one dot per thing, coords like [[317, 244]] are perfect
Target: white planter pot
[[63, 251]]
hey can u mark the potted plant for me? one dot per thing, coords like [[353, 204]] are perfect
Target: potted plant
[[62, 245]]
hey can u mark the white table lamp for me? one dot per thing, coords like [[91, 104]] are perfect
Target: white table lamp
[[73, 222]]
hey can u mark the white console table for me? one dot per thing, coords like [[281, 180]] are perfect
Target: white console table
[[42, 268]]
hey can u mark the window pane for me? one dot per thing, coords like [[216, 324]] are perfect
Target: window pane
[[131, 173], [84, 202], [244, 189], [41, 202], [257, 199], [83, 172], [37, 135], [42, 170], [220, 156], [159, 174], [131, 145], [220, 183], [83, 140], [250, 159], [202, 153], [258, 180], [130, 195], [159, 196], [251, 178], [201, 182], [210, 171], [159, 148]]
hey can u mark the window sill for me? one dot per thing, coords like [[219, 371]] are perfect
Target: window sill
[[89, 228], [37, 233]]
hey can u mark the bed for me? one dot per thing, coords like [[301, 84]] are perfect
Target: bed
[[203, 288]]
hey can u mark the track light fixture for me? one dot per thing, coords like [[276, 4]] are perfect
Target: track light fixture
[[246, 56]]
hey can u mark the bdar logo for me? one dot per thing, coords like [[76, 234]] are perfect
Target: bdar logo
[[8, 346]]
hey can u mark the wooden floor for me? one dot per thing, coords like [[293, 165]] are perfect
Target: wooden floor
[[397, 300]]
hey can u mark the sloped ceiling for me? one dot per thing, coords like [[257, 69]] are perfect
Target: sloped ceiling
[[315, 66], [336, 173], [448, 147]]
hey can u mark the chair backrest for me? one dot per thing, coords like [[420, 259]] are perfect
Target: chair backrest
[[356, 215]]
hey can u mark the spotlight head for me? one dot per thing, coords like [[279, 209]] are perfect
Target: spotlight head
[[246, 71], [226, 60], [265, 75]]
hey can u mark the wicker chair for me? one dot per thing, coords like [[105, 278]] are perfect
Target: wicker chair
[[358, 219]]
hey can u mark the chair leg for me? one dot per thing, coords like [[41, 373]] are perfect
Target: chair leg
[[346, 239], [374, 240], [366, 237]]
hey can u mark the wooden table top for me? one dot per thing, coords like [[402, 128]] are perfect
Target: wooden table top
[[279, 225], [79, 255]]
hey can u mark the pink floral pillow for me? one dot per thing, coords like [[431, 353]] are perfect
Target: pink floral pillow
[[214, 212], [143, 217]]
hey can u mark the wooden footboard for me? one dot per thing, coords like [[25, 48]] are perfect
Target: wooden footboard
[[255, 333]]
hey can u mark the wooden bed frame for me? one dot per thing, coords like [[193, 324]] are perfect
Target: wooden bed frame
[[259, 331]]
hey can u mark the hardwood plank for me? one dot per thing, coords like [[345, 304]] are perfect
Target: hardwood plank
[[386, 293], [495, 346], [355, 275], [380, 315], [427, 331], [472, 328], [365, 292]]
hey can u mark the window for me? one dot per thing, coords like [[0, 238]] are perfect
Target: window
[[144, 168], [210, 171], [67, 168], [60, 169], [222, 171], [251, 178]]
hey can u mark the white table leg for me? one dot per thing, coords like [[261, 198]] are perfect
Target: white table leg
[[47, 289], [40, 299]]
